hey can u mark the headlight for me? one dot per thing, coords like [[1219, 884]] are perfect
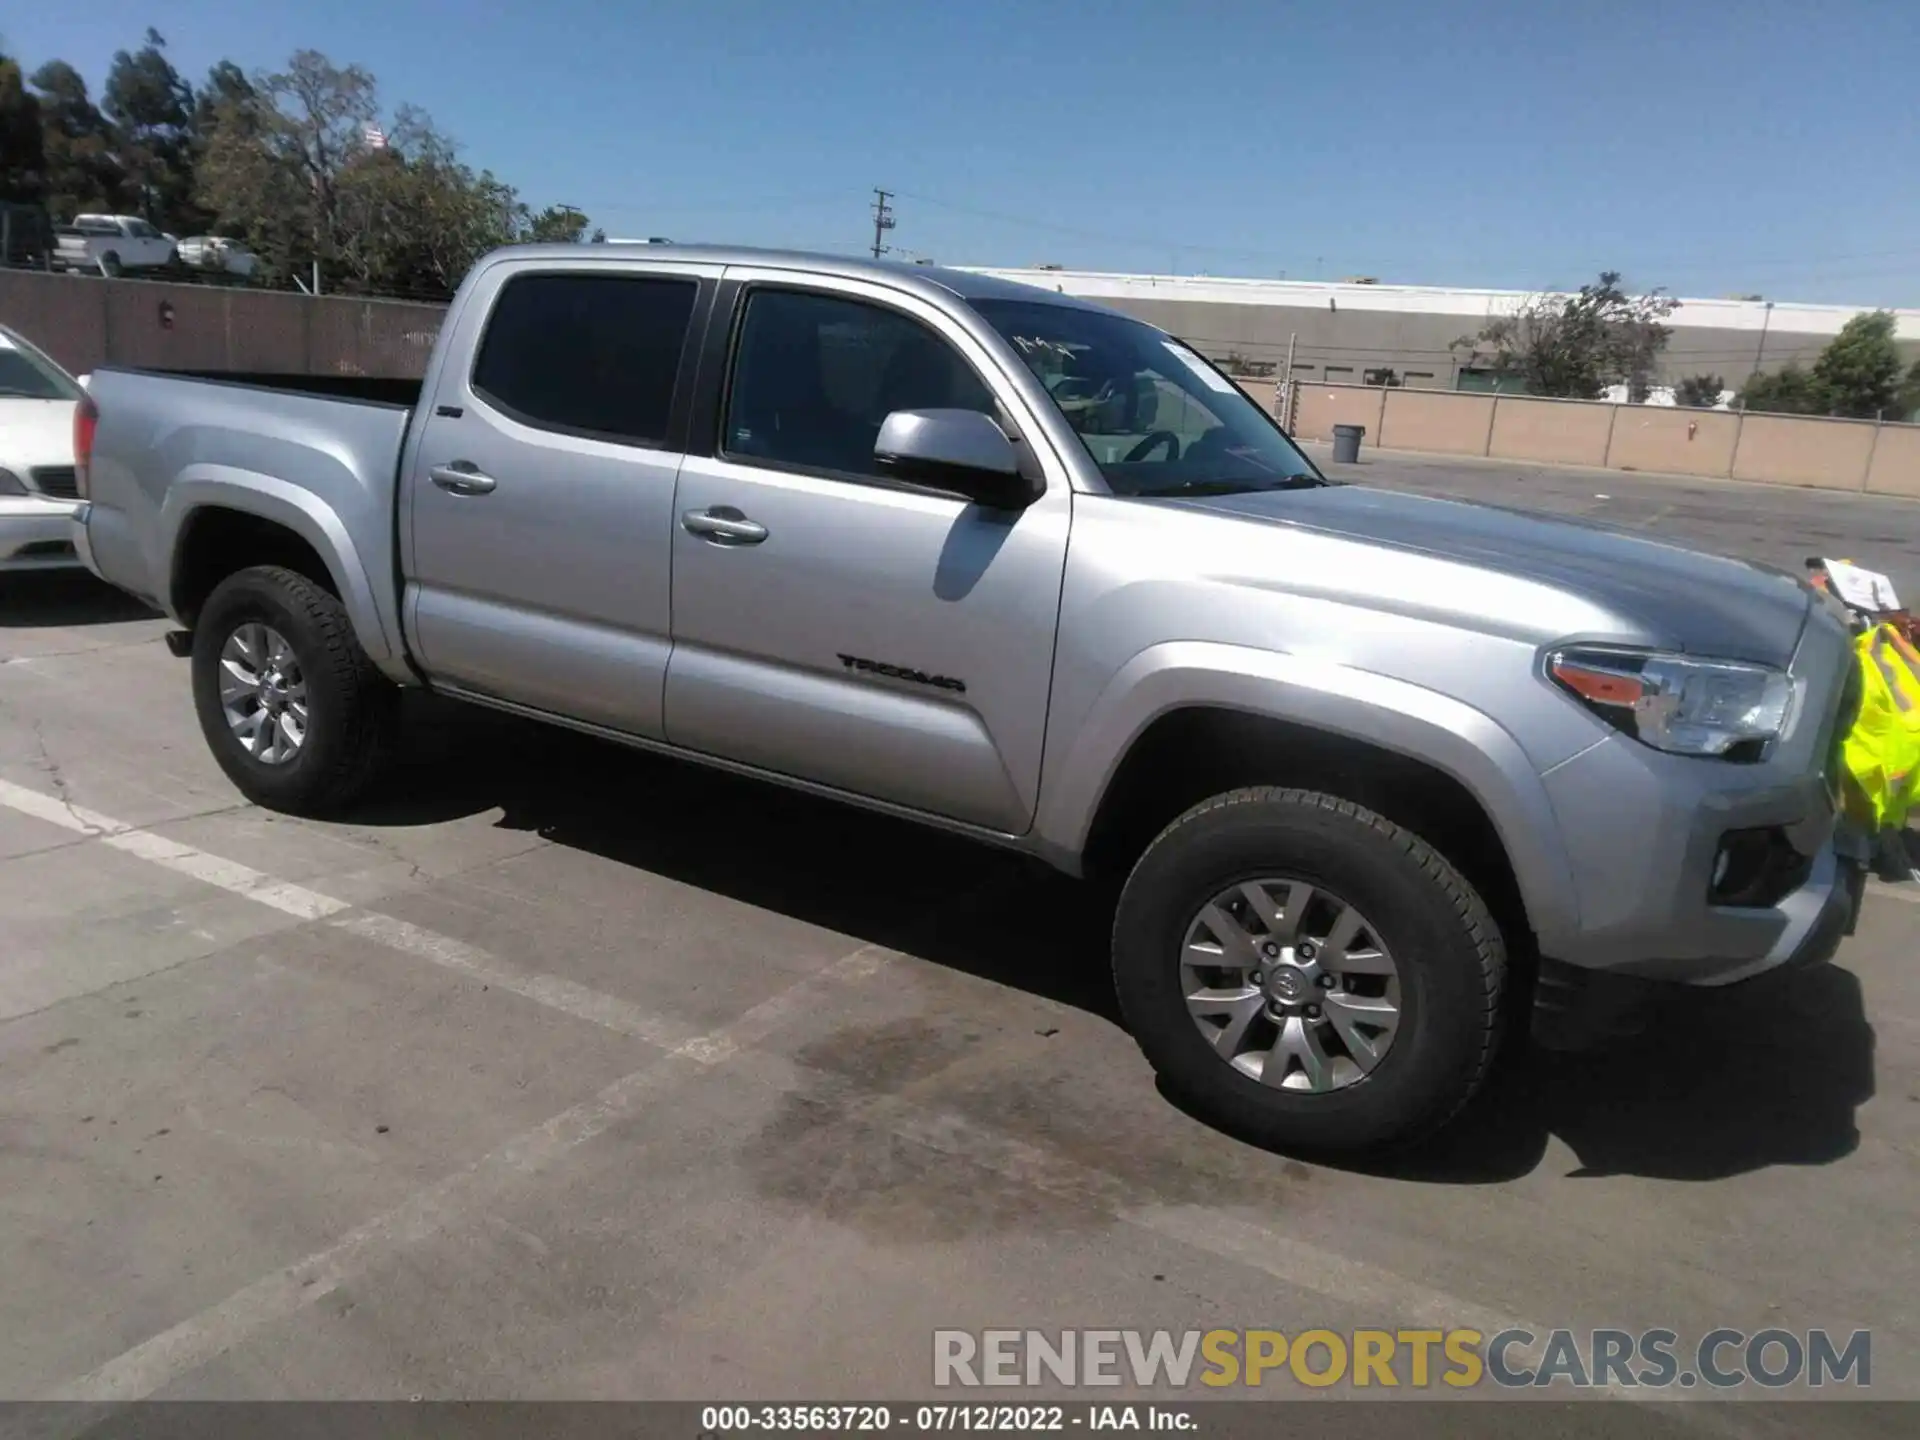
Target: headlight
[[10, 484], [1677, 703]]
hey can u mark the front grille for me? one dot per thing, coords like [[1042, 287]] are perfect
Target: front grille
[[59, 481], [45, 550]]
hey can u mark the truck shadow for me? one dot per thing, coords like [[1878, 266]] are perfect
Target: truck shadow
[[1769, 1073], [1717, 1085]]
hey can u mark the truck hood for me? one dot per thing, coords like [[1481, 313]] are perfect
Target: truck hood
[[1683, 599]]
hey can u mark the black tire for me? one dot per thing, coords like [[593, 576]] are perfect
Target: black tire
[[353, 710], [1451, 959]]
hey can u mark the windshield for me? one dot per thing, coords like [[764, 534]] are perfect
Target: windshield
[[26, 374], [1155, 417]]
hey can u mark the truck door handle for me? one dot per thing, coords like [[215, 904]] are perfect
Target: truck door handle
[[461, 478], [724, 525]]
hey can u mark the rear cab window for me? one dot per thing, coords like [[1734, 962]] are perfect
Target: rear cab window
[[593, 355]]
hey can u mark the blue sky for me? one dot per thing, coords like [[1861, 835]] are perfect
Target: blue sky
[[1709, 148]]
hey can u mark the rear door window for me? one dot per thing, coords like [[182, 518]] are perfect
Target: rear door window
[[592, 355]]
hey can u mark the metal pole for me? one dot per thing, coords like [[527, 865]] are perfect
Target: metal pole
[[1286, 414], [1879, 423], [1761, 354]]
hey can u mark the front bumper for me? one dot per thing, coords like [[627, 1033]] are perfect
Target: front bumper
[[1575, 1007], [1658, 843], [36, 533]]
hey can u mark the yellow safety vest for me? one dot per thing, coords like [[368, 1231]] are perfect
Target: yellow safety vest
[[1882, 750]]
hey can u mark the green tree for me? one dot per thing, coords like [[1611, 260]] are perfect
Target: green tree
[[226, 107], [152, 110], [1906, 402], [82, 171], [1575, 346], [1787, 391], [274, 154], [1859, 372], [557, 223], [415, 218], [1699, 392], [291, 162], [23, 158], [227, 89]]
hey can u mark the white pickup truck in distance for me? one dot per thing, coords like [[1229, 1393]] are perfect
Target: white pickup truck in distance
[[1373, 770], [110, 245]]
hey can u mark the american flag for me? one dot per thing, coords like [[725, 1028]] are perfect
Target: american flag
[[376, 138]]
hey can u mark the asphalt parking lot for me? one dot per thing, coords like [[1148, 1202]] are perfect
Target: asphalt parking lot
[[570, 1072]]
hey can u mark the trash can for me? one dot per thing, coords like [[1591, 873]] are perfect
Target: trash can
[[1346, 443]]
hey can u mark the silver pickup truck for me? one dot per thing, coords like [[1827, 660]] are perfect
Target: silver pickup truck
[[1374, 770]]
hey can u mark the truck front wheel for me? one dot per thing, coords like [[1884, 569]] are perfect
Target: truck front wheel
[[1306, 973], [291, 706]]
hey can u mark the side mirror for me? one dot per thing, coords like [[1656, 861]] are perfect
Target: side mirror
[[959, 450]]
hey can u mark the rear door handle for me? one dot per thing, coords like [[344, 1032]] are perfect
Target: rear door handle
[[461, 478], [723, 525]]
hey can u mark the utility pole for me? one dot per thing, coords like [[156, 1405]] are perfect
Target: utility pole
[[882, 220], [1285, 389], [1761, 353]]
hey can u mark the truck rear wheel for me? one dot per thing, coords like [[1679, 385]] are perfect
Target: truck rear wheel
[[1308, 974], [291, 706]]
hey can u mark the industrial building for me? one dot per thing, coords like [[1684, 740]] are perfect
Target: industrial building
[[1361, 332]]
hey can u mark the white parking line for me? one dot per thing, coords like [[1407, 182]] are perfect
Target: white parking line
[[593, 1006], [304, 904], [227, 875]]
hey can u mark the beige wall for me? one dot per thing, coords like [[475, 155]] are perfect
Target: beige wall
[[1896, 462], [1771, 449], [1260, 392], [1436, 420], [1322, 407], [1673, 441], [84, 322], [1562, 432], [1784, 450]]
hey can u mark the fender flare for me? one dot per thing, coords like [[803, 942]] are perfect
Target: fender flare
[[200, 488], [1424, 725]]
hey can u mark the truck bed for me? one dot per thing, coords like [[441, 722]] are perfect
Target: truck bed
[[315, 454]]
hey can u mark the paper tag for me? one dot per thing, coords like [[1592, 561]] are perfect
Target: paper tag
[[1212, 379], [1862, 589]]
